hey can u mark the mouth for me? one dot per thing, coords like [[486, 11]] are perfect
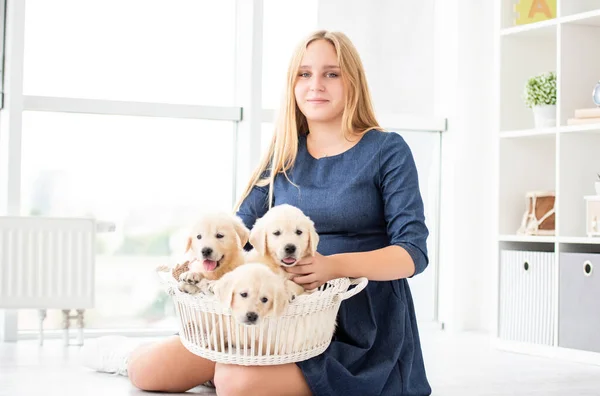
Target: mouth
[[211, 265], [317, 101], [289, 261]]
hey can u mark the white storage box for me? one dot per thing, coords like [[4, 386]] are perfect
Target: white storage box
[[527, 296]]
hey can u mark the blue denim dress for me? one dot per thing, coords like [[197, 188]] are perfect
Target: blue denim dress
[[363, 199]]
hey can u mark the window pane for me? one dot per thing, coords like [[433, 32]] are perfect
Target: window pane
[[283, 29], [151, 176], [177, 51], [266, 134]]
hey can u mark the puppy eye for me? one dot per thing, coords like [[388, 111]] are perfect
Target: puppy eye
[[244, 294], [198, 236], [277, 233], [298, 232], [219, 236], [264, 300]]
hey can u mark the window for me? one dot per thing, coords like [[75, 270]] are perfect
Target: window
[[284, 26], [177, 51], [266, 134], [150, 176]]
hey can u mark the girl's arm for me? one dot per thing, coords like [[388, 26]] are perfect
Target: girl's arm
[[388, 263]]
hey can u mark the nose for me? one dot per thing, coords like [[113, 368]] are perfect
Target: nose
[[251, 316], [290, 249], [206, 251], [316, 84]]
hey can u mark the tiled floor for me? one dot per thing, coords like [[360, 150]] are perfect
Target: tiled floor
[[458, 365]]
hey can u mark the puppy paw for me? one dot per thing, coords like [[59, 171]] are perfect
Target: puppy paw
[[193, 278], [190, 282], [206, 286], [188, 288], [293, 290]]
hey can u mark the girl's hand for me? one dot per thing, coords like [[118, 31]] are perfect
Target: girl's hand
[[312, 272]]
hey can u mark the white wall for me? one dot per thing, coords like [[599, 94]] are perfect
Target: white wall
[[435, 58], [395, 41], [465, 71]]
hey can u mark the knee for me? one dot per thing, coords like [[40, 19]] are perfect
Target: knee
[[140, 372], [231, 380]]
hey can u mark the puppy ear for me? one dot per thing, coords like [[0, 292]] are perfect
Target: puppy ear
[[241, 230], [258, 237], [313, 239], [188, 245], [223, 290]]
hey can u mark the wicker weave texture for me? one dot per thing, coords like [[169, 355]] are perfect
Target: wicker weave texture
[[304, 330]]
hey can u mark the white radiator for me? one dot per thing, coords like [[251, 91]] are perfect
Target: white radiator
[[47, 263], [527, 296]]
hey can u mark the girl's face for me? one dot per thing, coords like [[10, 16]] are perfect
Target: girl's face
[[319, 89]]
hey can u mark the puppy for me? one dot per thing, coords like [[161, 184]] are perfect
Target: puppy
[[254, 293], [282, 237], [258, 297], [215, 244]]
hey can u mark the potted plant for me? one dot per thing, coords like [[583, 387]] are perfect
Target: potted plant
[[540, 96], [597, 185]]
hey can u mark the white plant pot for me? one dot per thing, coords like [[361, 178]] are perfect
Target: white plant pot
[[597, 185], [544, 116]]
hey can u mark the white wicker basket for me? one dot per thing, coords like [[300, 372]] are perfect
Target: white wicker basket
[[207, 329]]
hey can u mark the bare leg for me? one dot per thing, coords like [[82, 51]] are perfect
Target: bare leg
[[168, 366], [282, 380]]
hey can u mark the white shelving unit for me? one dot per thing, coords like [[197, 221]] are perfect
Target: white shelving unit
[[564, 159]]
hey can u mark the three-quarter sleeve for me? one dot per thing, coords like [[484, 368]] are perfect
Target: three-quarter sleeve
[[403, 204], [254, 206]]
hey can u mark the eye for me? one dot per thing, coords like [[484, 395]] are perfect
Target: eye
[[277, 233], [219, 236], [264, 300], [198, 236], [244, 294], [298, 232], [304, 75], [332, 75]]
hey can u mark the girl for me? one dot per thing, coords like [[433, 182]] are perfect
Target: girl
[[359, 185]]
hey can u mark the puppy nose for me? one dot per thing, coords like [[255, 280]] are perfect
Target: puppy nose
[[290, 249], [206, 251], [251, 316]]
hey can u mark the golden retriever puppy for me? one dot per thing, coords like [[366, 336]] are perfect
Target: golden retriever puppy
[[254, 293], [215, 243], [282, 237], [258, 297]]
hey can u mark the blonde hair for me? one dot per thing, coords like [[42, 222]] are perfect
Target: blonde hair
[[358, 116]]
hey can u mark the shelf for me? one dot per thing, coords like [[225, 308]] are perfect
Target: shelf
[[537, 29], [579, 128], [533, 132], [528, 133], [562, 158], [525, 51], [580, 240], [590, 18], [526, 238], [549, 239]]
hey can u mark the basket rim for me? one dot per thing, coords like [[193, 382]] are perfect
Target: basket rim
[[337, 288]]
